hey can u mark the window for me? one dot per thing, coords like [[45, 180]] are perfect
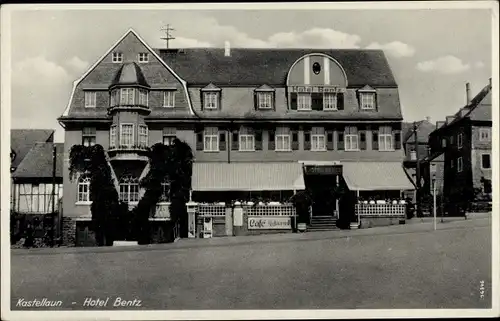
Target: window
[[485, 134], [283, 139], [265, 100], [117, 57], [460, 139], [485, 161], [143, 97], [385, 139], [83, 189], [169, 99], [165, 192], [368, 101], [211, 100], [127, 96], [127, 135], [304, 101], [143, 136], [129, 189], [460, 164], [452, 163], [169, 135], [329, 101], [247, 140], [112, 137], [318, 139], [143, 57], [351, 138], [90, 99], [88, 136], [211, 139], [34, 198]]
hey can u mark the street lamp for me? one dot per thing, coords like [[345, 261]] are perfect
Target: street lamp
[[434, 199]]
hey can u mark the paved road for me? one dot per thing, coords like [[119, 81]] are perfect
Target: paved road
[[403, 267]]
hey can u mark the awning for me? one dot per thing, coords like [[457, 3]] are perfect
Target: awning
[[247, 176], [375, 176]]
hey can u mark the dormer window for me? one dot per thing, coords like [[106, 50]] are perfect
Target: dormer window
[[265, 100], [143, 57], [117, 57], [90, 99], [143, 97], [367, 101], [127, 96], [211, 100], [303, 101], [329, 101]]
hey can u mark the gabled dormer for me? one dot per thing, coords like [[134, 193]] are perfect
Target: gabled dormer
[[129, 89], [367, 98], [211, 97], [265, 98]]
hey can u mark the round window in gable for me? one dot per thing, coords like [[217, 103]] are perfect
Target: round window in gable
[[316, 68]]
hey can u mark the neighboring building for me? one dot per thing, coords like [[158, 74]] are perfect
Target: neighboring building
[[464, 141], [263, 123]]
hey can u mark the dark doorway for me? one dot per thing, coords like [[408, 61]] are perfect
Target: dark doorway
[[321, 188]]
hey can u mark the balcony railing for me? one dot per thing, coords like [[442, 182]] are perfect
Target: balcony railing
[[133, 152], [381, 210]]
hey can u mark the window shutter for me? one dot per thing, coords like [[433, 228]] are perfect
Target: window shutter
[[375, 140], [222, 140], [293, 101], [340, 101], [255, 100], [397, 140], [307, 138], [235, 141], [199, 140], [295, 140], [340, 140], [362, 140], [258, 139], [271, 143], [202, 100], [329, 140]]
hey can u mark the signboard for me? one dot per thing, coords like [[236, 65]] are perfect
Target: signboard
[[324, 170], [316, 89], [269, 223]]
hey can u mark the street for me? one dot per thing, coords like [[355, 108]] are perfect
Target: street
[[398, 267]]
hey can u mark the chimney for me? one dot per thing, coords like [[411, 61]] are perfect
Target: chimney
[[467, 93], [227, 49], [449, 119], [428, 118]]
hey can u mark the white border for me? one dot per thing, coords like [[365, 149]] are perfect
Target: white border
[[226, 315]]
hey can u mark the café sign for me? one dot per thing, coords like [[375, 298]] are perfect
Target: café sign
[[317, 89], [323, 170], [269, 223]]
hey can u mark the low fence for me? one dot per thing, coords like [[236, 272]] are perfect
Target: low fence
[[381, 210]]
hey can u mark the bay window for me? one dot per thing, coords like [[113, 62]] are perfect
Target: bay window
[[127, 135], [143, 135], [127, 96], [143, 97], [112, 136]]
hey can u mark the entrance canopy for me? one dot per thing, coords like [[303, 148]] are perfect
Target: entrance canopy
[[247, 176], [375, 176]]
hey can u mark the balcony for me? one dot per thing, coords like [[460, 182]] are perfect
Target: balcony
[[129, 152], [144, 110]]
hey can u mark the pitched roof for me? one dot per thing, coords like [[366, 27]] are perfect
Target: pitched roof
[[251, 67], [22, 140], [129, 74], [38, 162]]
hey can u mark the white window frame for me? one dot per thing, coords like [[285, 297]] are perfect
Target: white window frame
[[283, 140], [143, 97], [169, 134], [211, 100], [367, 101], [131, 190], [165, 188], [125, 96], [484, 134], [143, 57], [318, 139], [143, 135], [489, 155], [211, 139], [265, 100], [304, 101], [132, 137], [117, 57], [351, 141], [385, 139], [90, 99], [112, 137], [460, 164], [169, 99], [330, 101], [246, 140], [83, 190], [89, 132]]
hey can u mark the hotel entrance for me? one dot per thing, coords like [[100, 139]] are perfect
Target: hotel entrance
[[321, 182]]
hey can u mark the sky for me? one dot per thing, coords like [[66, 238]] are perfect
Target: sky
[[432, 53]]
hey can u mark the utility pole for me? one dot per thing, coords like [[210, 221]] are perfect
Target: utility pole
[[417, 193], [168, 35], [54, 157]]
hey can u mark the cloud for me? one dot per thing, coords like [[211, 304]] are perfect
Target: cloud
[[315, 38], [181, 42], [479, 65], [78, 65], [396, 49], [443, 65], [38, 70]]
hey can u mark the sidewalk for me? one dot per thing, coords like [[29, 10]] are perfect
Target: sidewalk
[[415, 225]]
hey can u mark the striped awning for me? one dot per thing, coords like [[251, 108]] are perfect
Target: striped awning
[[247, 176], [375, 176]]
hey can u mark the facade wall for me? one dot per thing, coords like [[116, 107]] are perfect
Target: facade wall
[[480, 147]]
